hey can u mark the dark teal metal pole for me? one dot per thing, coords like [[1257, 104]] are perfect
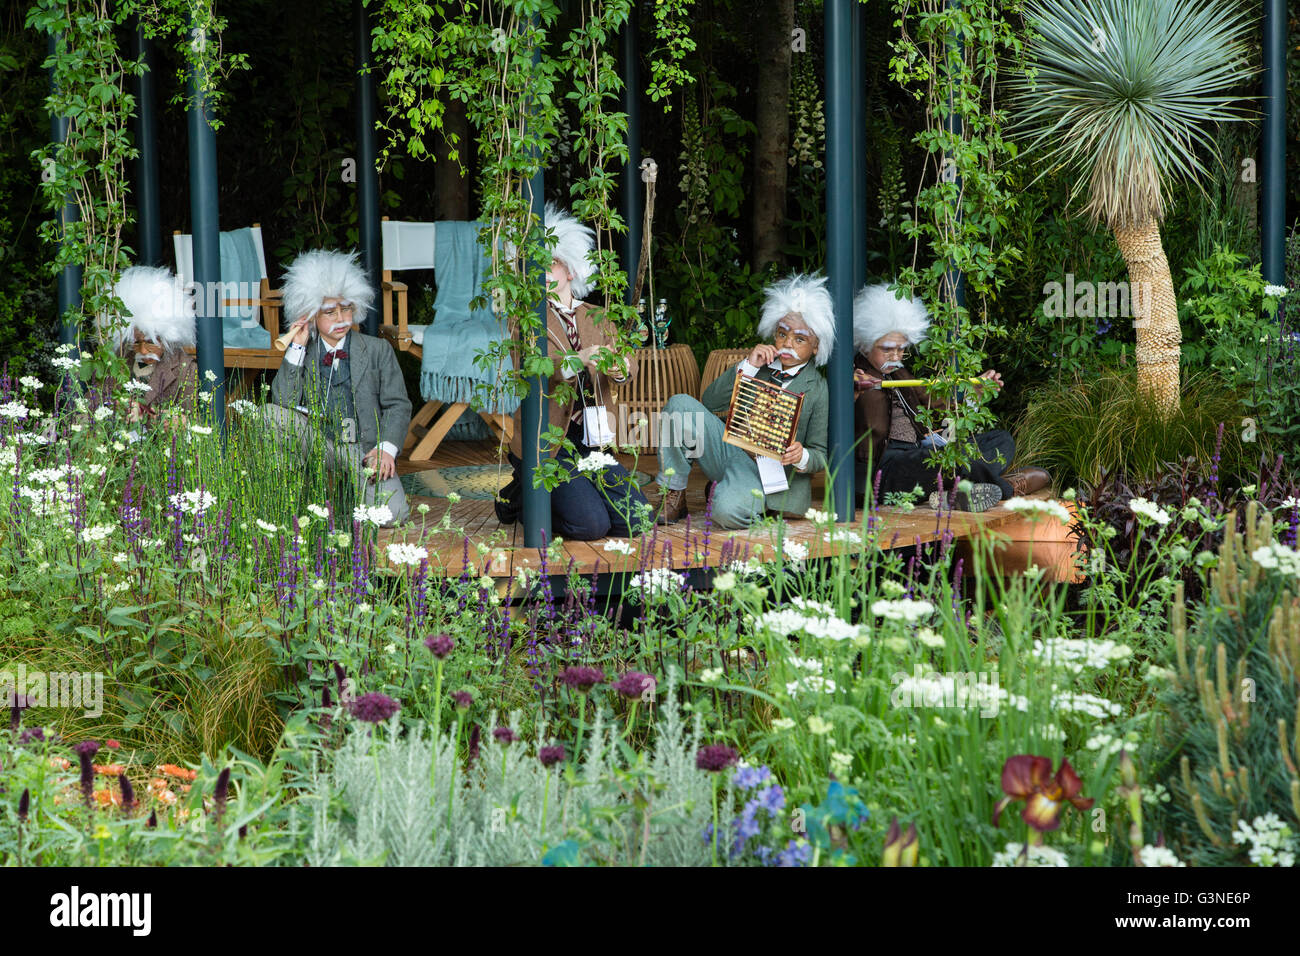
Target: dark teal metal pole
[[630, 198], [840, 213], [148, 219], [1273, 145], [205, 224], [859, 152], [367, 176], [69, 281], [953, 124], [537, 500]]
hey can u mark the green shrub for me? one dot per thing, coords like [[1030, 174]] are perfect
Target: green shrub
[[1082, 431]]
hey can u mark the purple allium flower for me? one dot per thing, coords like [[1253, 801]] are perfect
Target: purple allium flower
[[504, 735], [715, 757], [17, 704], [634, 684], [36, 733], [463, 699], [128, 792], [440, 644], [221, 791], [473, 743], [551, 755], [747, 778], [84, 751], [582, 678], [373, 708]]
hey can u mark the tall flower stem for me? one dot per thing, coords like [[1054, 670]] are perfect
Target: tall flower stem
[[437, 727]]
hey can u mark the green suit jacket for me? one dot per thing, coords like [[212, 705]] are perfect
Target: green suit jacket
[[809, 432], [378, 389]]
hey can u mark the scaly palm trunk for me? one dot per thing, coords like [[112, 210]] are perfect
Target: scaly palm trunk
[[1155, 313]]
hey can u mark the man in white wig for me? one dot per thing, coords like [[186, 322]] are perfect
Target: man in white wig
[[891, 439], [152, 334], [338, 383], [583, 346], [799, 319]]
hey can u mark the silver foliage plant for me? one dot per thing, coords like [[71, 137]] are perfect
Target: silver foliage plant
[[383, 801]]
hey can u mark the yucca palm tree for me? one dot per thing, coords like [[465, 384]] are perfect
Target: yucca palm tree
[[1124, 93]]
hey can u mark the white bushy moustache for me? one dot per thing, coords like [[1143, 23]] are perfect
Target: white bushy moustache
[[890, 366], [341, 327], [788, 353]]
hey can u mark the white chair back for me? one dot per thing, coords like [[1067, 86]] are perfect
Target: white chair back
[[408, 245], [183, 245]]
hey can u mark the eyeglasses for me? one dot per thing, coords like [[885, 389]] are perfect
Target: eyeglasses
[[892, 349], [338, 311]]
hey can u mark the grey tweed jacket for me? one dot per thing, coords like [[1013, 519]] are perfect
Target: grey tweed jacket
[[378, 390]]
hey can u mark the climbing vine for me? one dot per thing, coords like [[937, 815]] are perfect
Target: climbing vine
[[519, 68], [90, 80], [951, 56]]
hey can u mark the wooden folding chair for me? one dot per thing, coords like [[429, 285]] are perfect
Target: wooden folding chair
[[410, 245]]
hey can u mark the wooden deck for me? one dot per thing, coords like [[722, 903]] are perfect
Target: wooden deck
[[468, 529]]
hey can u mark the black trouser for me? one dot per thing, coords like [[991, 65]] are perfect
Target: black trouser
[[580, 511], [903, 466]]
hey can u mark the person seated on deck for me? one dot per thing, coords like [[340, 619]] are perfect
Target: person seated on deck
[[583, 347], [798, 316], [891, 440], [152, 334], [350, 379]]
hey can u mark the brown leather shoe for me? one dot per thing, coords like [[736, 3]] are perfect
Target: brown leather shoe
[[673, 507], [1027, 480]]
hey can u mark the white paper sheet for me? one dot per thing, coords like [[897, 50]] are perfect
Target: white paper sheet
[[596, 430], [772, 474]]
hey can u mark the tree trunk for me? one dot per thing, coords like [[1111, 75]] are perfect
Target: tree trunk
[[772, 135], [450, 181], [1155, 313]]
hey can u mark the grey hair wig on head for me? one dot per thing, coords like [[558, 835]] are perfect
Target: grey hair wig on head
[[572, 245], [323, 274], [156, 307], [877, 311], [807, 297]]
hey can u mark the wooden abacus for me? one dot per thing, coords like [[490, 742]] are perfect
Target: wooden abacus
[[762, 418]]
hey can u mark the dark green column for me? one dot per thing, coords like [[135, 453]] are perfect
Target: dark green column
[[630, 203], [206, 229], [859, 152], [367, 176], [948, 172], [840, 215], [69, 281], [536, 500], [1273, 145], [148, 219]]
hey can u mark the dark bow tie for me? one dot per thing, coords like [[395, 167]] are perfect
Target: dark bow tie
[[329, 357], [782, 376]]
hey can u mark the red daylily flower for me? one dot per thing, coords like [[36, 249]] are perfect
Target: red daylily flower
[[1029, 778]]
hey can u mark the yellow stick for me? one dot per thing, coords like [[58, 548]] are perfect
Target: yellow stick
[[918, 382]]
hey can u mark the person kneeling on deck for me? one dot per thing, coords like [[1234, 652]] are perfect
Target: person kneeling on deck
[[338, 383], [155, 328], [891, 439], [799, 318], [600, 498]]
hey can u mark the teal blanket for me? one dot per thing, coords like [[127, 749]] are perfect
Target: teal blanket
[[241, 277], [459, 332]]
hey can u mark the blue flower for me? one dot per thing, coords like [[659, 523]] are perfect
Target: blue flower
[[794, 854], [772, 799], [747, 778]]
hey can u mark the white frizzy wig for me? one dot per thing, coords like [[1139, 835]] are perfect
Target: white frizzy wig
[[319, 275], [877, 311], [808, 297], [572, 245], [156, 306]]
